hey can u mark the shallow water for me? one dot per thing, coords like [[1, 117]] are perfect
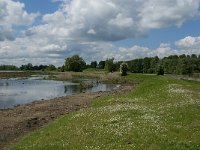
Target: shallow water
[[21, 91]]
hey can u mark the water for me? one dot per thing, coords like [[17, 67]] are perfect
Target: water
[[21, 91]]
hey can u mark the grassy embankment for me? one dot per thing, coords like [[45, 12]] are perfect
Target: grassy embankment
[[161, 113]]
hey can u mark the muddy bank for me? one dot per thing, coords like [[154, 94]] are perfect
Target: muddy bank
[[16, 122]]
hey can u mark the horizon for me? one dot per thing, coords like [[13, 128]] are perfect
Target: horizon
[[46, 32], [115, 62]]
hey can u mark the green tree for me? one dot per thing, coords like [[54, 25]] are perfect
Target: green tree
[[160, 70], [185, 66], [93, 64], [170, 64], [146, 64], [75, 63], [182, 56], [101, 65], [109, 65], [194, 56], [153, 64], [29, 66], [51, 67], [124, 69], [8, 67], [136, 66]]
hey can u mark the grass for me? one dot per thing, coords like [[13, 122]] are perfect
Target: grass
[[161, 113]]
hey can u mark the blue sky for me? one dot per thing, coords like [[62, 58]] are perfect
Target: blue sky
[[166, 35], [43, 6], [48, 31], [153, 40]]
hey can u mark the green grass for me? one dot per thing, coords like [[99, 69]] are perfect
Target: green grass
[[161, 113]]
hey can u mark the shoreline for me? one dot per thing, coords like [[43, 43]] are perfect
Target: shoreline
[[18, 121]]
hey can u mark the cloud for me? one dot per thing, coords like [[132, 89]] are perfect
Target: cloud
[[189, 45], [114, 20], [189, 42], [50, 51], [137, 51], [160, 14], [88, 27], [6, 34], [12, 13], [30, 50]]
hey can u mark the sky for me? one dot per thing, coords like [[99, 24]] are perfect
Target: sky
[[48, 31]]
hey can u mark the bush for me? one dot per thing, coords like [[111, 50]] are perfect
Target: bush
[[110, 66], [123, 69]]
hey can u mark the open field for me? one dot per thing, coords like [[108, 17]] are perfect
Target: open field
[[161, 113]]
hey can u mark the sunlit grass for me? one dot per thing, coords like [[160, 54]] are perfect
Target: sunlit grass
[[161, 113]]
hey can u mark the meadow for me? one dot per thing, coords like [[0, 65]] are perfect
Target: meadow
[[159, 113]]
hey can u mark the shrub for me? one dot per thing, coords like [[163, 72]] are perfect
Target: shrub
[[123, 69]]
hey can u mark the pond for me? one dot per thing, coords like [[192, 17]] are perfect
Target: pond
[[21, 91]]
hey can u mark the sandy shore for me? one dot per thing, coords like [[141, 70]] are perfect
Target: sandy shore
[[18, 121]]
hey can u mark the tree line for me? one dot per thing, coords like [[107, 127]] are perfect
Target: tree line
[[174, 64], [28, 67], [77, 64]]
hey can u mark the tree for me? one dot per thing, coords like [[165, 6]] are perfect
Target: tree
[[170, 64], [8, 67], [123, 69], [146, 64], [93, 64], [160, 70], [153, 64], [101, 65], [185, 66], [182, 56], [136, 66], [61, 69], [75, 63], [109, 65], [29, 66], [194, 56], [51, 67]]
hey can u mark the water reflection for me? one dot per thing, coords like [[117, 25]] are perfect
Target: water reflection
[[21, 91]]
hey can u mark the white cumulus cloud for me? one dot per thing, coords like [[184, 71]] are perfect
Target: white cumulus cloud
[[113, 20], [13, 13], [88, 27], [189, 45]]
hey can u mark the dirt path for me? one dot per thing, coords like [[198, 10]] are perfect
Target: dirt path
[[16, 122]]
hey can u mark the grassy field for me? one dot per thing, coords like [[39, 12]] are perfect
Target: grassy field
[[161, 113]]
